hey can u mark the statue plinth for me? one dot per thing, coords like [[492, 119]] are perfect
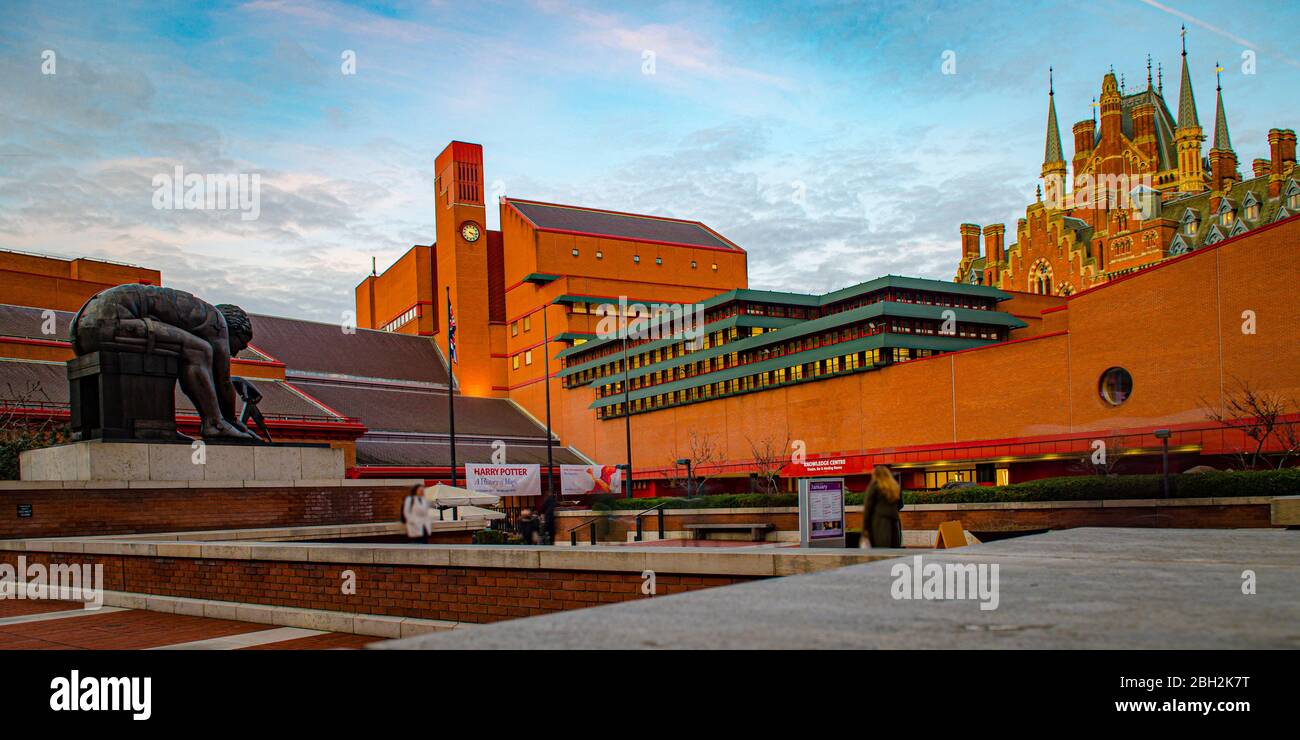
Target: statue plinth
[[123, 395], [134, 461]]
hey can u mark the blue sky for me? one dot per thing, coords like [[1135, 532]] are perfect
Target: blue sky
[[820, 136]]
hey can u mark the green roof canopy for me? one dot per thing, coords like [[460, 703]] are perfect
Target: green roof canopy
[[814, 326], [808, 300]]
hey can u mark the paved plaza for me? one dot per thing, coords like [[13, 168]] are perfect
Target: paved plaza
[[1080, 588], [65, 625]]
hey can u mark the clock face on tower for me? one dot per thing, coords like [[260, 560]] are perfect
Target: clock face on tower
[[470, 232]]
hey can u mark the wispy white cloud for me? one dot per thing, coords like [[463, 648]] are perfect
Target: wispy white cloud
[[1219, 30]]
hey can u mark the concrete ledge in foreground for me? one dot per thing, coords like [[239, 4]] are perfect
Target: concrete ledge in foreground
[[1081, 588]]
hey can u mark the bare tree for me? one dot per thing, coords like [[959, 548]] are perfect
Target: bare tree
[[1260, 416], [769, 458], [1105, 458], [704, 452], [25, 424]]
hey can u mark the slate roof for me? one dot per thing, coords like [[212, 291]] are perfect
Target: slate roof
[[553, 217], [437, 452], [325, 348], [1166, 152], [27, 322], [412, 409], [391, 382], [47, 383], [1209, 230]]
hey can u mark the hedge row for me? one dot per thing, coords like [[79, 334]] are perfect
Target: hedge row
[[1074, 488], [1092, 488]]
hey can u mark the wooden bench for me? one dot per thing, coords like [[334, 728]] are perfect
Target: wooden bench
[[757, 530]]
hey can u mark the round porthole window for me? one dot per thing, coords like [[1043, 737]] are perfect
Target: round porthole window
[[1116, 386]]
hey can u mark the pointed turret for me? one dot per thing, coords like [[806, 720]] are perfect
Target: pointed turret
[[1221, 138], [1223, 161], [1053, 157], [1186, 99], [1188, 136], [1053, 152]]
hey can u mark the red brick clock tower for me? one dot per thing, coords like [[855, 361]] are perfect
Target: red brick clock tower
[[462, 264]]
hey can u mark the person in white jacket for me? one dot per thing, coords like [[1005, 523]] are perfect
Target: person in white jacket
[[417, 514]]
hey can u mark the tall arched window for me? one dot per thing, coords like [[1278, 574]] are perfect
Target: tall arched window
[[1040, 279]]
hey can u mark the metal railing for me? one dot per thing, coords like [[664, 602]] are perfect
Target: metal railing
[[591, 523], [659, 511]]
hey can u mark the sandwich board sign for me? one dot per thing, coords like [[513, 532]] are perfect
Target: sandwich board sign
[[821, 512]]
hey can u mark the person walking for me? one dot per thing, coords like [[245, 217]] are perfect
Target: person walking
[[417, 514], [880, 525], [529, 527], [548, 520]]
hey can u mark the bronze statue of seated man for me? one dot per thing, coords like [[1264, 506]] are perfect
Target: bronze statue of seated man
[[165, 321]]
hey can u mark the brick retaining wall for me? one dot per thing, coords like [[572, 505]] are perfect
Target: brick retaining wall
[[62, 510], [1216, 513], [472, 595]]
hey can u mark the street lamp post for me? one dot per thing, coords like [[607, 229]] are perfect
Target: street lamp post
[[627, 416], [550, 459], [1163, 435], [690, 479]]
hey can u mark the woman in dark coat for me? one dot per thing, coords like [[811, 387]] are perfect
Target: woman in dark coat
[[880, 525]]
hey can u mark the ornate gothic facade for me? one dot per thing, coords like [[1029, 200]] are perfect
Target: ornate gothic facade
[[1142, 192]]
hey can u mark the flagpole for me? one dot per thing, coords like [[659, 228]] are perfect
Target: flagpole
[[546, 379], [451, 384]]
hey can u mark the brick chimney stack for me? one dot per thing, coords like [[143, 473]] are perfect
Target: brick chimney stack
[[1261, 167], [1144, 129], [970, 241], [993, 252], [1281, 150]]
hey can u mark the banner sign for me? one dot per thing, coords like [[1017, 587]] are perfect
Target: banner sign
[[821, 512], [583, 480], [504, 480], [826, 466]]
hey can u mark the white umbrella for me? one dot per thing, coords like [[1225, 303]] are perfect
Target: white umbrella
[[446, 496], [474, 512]]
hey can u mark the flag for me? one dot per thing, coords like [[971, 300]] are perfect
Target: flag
[[451, 333]]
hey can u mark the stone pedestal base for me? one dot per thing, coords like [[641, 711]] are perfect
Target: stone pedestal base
[[123, 395], [97, 460]]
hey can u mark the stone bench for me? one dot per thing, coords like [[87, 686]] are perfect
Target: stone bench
[[757, 530]]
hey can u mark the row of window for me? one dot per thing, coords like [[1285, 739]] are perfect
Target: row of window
[[867, 357], [736, 308], [1228, 215], [409, 315], [639, 359], [785, 376], [937, 479], [614, 370], [636, 259]]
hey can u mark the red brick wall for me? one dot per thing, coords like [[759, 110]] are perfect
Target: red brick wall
[[975, 520], [429, 592], [93, 511], [1022, 520]]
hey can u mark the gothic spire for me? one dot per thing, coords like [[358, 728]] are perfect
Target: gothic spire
[[1053, 151], [1221, 139], [1186, 100]]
